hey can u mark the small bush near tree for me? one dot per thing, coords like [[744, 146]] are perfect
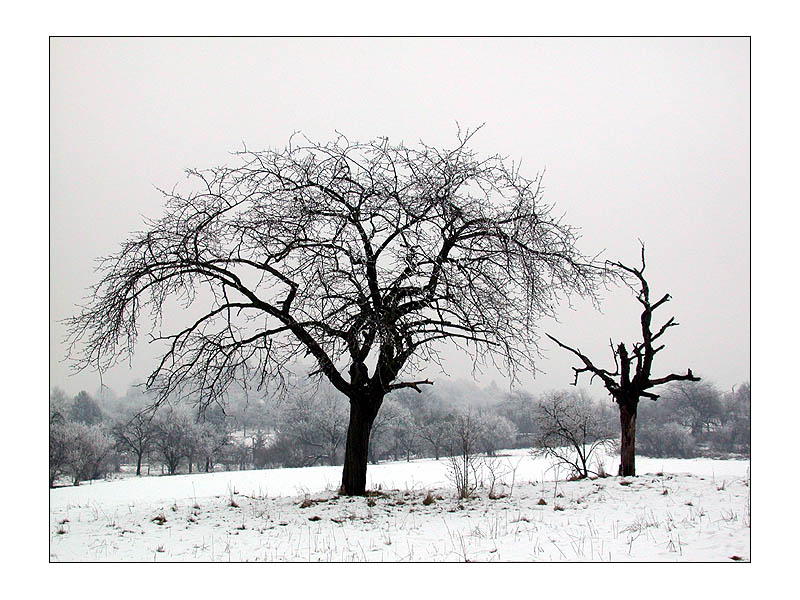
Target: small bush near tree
[[572, 430], [464, 463]]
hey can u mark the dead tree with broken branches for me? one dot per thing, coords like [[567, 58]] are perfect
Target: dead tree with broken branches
[[632, 380]]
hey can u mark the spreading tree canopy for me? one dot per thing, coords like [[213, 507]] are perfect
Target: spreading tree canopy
[[361, 257]]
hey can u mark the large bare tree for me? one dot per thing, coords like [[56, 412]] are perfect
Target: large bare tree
[[631, 380], [365, 257]]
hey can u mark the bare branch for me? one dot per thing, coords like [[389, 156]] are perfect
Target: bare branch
[[410, 384], [606, 376]]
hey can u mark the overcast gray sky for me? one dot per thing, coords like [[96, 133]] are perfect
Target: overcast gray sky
[[641, 139]]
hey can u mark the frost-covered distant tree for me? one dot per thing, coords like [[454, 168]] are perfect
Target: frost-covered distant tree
[[85, 410], [670, 439], [214, 436], [316, 422], [734, 434], [497, 433], [175, 434], [59, 404], [259, 449], [89, 451], [632, 378], [403, 430], [697, 406], [135, 434], [518, 407], [249, 414], [433, 428], [365, 257], [737, 403], [58, 444]]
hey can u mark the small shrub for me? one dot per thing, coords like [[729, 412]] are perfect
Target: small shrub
[[428, 499]]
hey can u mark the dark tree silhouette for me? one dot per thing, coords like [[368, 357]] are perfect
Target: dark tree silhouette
[[365, 257], [625, 385]]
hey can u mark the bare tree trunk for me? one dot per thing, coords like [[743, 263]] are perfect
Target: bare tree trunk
[[356, 452], [627, 450], [138, 465], [584, 471]]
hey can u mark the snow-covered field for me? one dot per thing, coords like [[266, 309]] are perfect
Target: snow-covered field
[[676, 510]]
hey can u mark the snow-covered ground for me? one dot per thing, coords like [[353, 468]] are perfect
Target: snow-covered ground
[[676, 510]]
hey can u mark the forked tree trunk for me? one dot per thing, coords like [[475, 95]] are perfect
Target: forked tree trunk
[[584, 470], [627, 450], [356, 451]]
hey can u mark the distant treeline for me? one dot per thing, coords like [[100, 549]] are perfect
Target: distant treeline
[[94, 437]]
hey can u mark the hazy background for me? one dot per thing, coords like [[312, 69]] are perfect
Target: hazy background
[[641, 139]]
